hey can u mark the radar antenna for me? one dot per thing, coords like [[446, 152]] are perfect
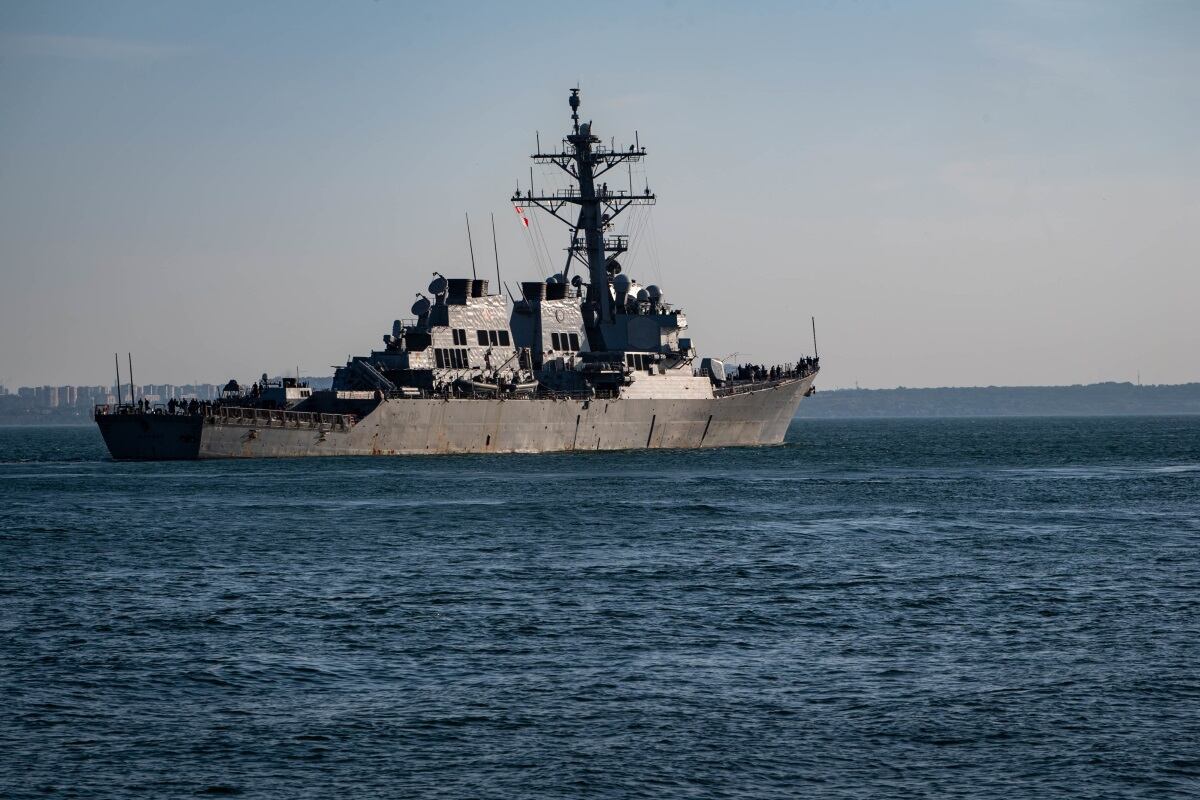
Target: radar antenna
[[584, 159]]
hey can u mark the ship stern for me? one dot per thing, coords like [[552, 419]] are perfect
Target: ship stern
[[151, 437]]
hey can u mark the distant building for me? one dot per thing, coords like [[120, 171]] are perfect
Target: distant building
[[64, 401]]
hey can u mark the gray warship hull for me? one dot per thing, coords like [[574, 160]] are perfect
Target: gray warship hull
[[589, 361], [758, 415]]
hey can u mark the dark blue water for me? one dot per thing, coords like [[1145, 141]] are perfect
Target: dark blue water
[[979, 608]]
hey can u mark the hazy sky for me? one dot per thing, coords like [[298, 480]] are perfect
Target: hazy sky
[[961, 193]]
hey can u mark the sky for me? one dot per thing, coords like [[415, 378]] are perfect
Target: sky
[[961, 194]]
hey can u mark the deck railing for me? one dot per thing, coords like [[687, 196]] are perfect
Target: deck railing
[[239, 415], [732, 387], [242, 415], [265, 417]]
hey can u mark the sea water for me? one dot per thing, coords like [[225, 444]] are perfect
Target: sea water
[[983, 608]]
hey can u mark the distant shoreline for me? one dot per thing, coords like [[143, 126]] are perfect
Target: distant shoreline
[[832, 418], [1090, 400]]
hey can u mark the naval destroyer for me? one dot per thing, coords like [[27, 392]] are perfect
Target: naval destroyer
[[585, 361]]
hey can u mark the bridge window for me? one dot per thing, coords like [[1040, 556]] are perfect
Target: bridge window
[[565, 341], [493, 338], [637, 360]]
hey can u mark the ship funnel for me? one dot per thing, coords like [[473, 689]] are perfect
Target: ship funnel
[[533, 291], [458, 289]]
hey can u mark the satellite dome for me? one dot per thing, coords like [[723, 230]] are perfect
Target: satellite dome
[[653, 291], [621, 284], [421, 307], [553, 279], [643, 296], [437, 285]]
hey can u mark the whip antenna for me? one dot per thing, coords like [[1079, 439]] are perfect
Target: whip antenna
[[470, 245], [496, 250]]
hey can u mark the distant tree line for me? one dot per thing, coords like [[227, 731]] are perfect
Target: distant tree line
[[1097, 399]]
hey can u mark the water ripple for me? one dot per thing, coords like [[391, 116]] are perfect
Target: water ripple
[[956, 608]]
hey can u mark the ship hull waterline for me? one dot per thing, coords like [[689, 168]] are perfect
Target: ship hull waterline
[[439, 426]]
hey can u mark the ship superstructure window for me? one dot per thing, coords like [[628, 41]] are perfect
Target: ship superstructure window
[[460, 337], [493, 338], [450, 358], [638, 360], [565, 341]]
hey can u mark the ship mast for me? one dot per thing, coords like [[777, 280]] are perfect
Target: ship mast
[[585, 159]]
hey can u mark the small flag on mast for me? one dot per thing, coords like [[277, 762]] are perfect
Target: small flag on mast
[[521, 214]]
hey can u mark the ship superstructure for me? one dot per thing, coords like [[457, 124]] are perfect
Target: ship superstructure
[[586, 358]]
